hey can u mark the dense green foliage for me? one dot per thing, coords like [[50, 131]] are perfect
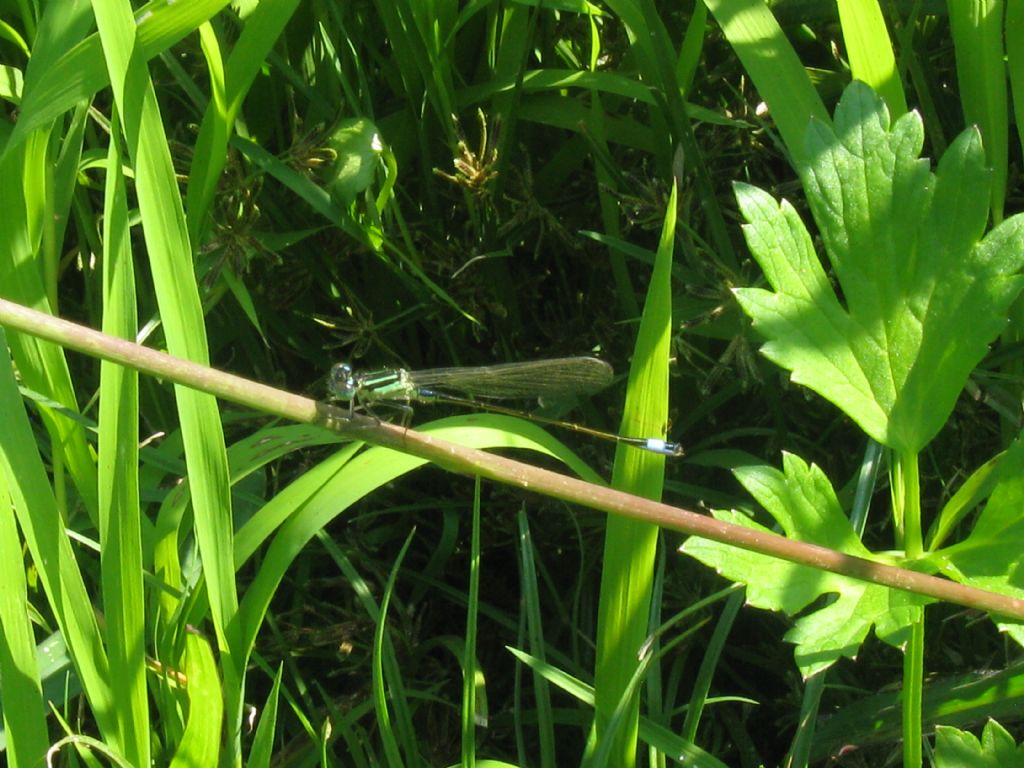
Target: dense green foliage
[[271, 187]]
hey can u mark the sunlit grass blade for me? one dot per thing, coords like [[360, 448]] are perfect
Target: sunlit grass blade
[[177, 295], [262, 750], [120, 526], [607, 747], [54, 559], [201, 742], [78, 71], [630, 546], [25, 714], [870, 52], [773, 65], [42, 366], [977, 29]]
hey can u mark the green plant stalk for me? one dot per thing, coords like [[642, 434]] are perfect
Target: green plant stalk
[[471, 462], [910, 697], [906, 483]]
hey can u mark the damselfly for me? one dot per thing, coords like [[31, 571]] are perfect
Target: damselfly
[[537, 379]]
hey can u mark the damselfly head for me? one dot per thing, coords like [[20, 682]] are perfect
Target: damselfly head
[[342, 383]]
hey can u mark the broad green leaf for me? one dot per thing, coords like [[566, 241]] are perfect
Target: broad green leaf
[[173, 277], [961, 749], [804, 504], [907, 250]]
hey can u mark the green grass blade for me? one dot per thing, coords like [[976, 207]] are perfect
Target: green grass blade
[[535, 642], [870, 52], [1014, 32], [43, 368], [661, 738], [659, 64], [607, 189], [380, 695], [262, 29], [201, 742], [24, 714], [773, 65], [389, 662], [630, 546], [119, 511], [977, 27], [170, 259], [691, 48], [57, 567], [78, 71], [469, 665], [263, 742], [708, 664]]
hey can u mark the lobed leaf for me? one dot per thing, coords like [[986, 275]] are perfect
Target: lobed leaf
[[803, 502], [908, 251]]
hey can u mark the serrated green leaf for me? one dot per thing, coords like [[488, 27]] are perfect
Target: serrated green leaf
[[961, 749], [907, 249], [804, 503]]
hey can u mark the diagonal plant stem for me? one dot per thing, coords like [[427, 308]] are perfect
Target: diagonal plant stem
[[473, 462]]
